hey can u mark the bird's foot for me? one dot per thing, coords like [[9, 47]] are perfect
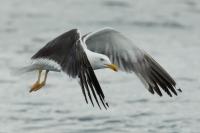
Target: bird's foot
[[37, 86]]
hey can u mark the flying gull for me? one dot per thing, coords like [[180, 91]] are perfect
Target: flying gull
[[78, 56]]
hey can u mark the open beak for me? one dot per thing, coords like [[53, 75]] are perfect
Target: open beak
[[113, 67]]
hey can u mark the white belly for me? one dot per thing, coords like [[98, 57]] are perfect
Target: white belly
[[46, 64]]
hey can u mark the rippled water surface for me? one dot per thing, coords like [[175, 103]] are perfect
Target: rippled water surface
[[167, 29]]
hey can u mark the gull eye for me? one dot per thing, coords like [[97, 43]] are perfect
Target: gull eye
[[101, 59]]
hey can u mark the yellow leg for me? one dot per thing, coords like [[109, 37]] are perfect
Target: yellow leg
[[39, 85], [45, 78]]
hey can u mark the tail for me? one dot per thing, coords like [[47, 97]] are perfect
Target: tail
[[23, 70]]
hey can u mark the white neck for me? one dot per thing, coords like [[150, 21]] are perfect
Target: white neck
[[91, 55], [92, 58]]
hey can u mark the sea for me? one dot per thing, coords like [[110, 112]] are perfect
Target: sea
[[169, 30]]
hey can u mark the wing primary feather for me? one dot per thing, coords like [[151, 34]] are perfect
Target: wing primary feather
[[86, 86], [92, 88], [103, 102], [98, 90], [165, 81], [88, 72], [150, 89], [179, 90], [170, 85], [161, 84], [96, 83], [157, 67], [172, 89], [83, 89], [156, 89], [97, 86]]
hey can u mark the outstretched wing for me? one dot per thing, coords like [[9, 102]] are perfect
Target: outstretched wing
[[66, 50], [130, 58]]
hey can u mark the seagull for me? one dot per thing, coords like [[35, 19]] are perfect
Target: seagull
[[78, 56]]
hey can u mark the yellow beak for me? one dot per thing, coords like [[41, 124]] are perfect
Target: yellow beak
[[113, 67]]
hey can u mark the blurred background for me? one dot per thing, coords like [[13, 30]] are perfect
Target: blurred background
[[167, 29]]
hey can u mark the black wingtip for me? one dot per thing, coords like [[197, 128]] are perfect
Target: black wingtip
[[160, 79], [90, 85], [180, 90], [150, 89], [107, 104]]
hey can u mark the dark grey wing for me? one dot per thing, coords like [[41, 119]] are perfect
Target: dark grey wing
[[61, 50], [66, 50], [130, 58]]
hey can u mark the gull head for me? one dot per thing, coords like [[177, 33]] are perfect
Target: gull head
[[101, 61]]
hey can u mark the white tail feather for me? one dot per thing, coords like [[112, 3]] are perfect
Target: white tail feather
[[25, 69]]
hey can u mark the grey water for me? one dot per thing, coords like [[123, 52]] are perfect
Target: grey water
[[167, 29]]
